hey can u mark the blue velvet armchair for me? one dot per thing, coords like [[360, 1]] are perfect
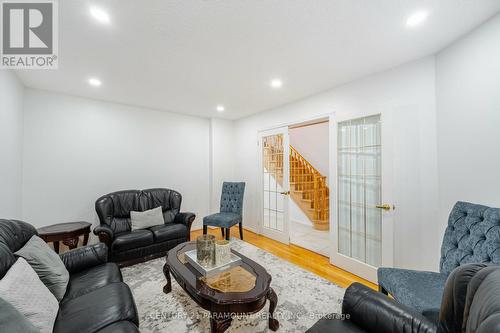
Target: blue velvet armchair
[[231, 210], [472, 236]]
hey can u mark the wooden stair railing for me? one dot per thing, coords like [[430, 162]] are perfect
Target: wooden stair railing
[[309, 189]]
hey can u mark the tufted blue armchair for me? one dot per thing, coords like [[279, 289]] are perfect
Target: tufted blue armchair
[[472, 236], [231, 210]]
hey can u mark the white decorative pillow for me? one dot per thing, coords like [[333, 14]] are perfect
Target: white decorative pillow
[[47, 264], [24, 290], [146, 219]]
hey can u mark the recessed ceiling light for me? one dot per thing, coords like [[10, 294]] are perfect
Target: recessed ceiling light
[[276, 83], [417, 18], [220, 108], [95, 82], [99, 14]]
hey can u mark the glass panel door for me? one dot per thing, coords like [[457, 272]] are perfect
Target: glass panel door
[[359, 195], [275, 185]]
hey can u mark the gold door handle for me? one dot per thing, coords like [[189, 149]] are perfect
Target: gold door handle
[[384, 207], [285, 193]]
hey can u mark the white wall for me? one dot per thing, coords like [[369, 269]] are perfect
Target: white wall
[[312, 142], [468, 122], [11, 141], [78, 149], [222, 150], [407, 91]]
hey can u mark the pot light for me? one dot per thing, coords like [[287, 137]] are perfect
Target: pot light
[[417, 18], [99, 14], [276, 83], [220, 108], [94, 82]]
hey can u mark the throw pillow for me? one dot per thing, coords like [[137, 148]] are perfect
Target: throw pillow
[[146, 219], [47, 264], [13, 321], [24, 290]]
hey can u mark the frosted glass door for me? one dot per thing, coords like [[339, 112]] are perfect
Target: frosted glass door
[[274, 171], [359, 190]]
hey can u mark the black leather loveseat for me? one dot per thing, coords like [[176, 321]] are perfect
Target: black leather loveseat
[[129, 247], [470, 304], [96, 299]]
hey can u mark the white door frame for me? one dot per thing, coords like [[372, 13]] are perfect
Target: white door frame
[[278, 129], [347, 263]]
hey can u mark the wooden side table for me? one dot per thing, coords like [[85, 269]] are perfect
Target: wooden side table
[[68, 233]]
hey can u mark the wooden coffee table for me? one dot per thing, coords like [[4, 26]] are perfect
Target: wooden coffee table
[[222, 305], [68, 233]]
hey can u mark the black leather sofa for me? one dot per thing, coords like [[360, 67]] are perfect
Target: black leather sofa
[[96, 299], [470, 304], [128, 247]]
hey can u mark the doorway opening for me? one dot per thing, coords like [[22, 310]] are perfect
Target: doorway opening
[[295, 191], [309, 199], [323, 189]]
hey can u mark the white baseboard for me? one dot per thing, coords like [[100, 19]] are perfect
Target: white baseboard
[[252, 229]]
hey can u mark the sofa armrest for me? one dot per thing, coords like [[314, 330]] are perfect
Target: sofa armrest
[[85, 257], [105, 234], [375, 312], [187, 219]]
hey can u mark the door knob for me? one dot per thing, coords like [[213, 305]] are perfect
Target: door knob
[[285, 193], [384, 207]]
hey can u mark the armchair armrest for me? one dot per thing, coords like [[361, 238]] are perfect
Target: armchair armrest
[[85, 257], [375, 312], [105, 234], [186, 219]]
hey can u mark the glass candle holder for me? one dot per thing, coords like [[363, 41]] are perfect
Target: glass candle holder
[[205, 250], [222, 252]]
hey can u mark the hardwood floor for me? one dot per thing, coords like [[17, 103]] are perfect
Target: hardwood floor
[[299, 256]]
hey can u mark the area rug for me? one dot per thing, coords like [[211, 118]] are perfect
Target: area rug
[[303, 297]]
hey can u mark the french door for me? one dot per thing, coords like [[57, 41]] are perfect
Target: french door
[[274, 185], [363, 229]]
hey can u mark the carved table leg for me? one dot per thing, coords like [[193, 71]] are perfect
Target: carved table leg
[[71, 242], [166, 271], [273, 301], [85, 239], [219, 322], [56, 246]]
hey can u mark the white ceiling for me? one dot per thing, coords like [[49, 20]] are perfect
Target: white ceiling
[[187, 56]]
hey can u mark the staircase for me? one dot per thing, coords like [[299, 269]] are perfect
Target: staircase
[[309, 190], [308, 187]]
